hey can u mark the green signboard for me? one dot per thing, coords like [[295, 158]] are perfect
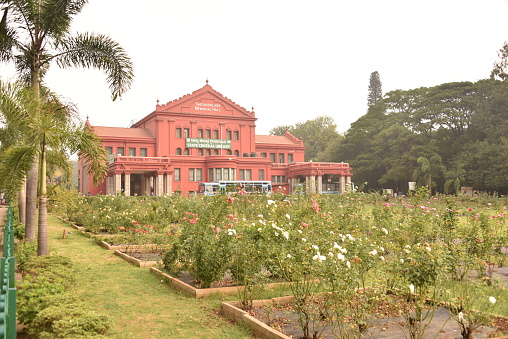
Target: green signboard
[[207, 143]]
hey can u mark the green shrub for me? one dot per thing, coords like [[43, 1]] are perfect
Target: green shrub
[[32, 296], [53, 267], [25, 251], [66, 317], [19, 230], [43, 276]]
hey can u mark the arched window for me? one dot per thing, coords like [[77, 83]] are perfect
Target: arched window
[[215, 152], [207, 152], [178, 151], [186, 151], [237, 153], [229, 152], [200, 152]]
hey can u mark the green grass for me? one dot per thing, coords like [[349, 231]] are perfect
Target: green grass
[[140, 304]]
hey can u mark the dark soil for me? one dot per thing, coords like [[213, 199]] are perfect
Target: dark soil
[[387, 323]]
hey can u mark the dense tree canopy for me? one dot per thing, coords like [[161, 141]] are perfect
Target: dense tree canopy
[[319, 135], [463, 123]]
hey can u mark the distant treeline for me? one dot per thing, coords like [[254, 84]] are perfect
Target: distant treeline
[[460, 130]]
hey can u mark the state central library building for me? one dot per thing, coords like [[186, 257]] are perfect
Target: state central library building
[[205, 137]]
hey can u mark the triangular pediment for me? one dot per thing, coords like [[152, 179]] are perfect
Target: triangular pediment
[[205, 101]]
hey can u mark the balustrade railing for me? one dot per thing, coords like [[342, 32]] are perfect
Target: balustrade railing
[[8, 282]]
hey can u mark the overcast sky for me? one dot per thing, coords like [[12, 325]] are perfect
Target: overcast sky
[[291, 60]]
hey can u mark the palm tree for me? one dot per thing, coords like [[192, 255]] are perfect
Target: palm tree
[[429, 169], [36, 33], [49, 130], [454, 178]]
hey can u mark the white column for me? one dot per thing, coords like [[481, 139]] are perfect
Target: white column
[[118, 184], [307, 185], [319, 184], [127, 184], [342, 184], [348, 184], [148, 187], [159, 185], [111, 185]]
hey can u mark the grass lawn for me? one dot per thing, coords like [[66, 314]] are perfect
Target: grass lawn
[[140, 304]]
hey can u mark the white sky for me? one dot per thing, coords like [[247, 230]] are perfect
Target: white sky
[[292, 60]]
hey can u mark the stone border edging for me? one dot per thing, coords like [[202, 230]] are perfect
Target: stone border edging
[[135, 261], [200, 292], [230, 310]]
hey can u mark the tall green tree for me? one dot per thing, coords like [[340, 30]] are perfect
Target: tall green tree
[[375, 89], [500, 69], [45, 128], [454, 177], [428, 171], [34, 34], [317, 135]]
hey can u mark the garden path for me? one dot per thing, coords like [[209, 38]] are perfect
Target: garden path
[[140, 304]]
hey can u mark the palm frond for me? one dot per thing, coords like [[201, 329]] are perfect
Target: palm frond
[[15, 162], [101, 52]]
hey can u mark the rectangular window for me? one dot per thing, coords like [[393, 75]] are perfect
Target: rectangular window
[[132, 152], [218, 174], [272, 157], [178, 132], [245, 174], [142, 152], [263, 155], [195, 174], [228, 135], [186, 133], [200, 133], [177, 174], [236, 135], [210, 174], [215, 134], [207, 135], [261, 174], [120, 151], [281, 179], [109, 150], [281, 158], [290, 158]]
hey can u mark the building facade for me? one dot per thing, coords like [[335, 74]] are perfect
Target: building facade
[[203, 137]]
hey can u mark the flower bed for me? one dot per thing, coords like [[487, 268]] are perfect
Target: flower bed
[[135, 259], [277, 318], [187, 288], [451, 247]]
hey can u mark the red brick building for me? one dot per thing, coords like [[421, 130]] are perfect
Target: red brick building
[[204, 136]]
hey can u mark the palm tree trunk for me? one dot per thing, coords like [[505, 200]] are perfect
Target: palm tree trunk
[[31, 201], [42, 235], [22, 203], [42, 243], [33, 175]]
